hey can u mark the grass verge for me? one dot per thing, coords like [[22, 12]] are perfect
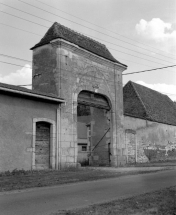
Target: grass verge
[[153, 164], [161, 202], [20, 179]]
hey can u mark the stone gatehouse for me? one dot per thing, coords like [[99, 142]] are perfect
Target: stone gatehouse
[[83, 72]]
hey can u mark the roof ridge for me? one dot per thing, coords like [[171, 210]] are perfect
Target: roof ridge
[[58, 30], [79, 33], [149, 103], [132, 83], [151, 89]]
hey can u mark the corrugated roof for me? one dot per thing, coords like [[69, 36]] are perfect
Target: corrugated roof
[[59, 31], [145, 103], [32, 93]]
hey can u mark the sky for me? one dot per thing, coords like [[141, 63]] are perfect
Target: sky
[[138, 33]]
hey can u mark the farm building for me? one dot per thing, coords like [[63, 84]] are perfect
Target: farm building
[[149, 124]]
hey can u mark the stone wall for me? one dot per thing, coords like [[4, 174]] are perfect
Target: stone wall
[[154, 141], [64, 69]]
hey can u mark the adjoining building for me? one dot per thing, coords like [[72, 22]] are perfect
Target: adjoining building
[[29, 122], [149, 124]]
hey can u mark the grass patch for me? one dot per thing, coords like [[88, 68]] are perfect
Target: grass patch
[[20, 179], [161, 202], [153, 164]]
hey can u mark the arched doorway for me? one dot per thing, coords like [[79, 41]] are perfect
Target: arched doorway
[[42, 145], [93, 129]]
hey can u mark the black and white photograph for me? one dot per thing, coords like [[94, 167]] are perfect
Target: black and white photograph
[[87, 107]]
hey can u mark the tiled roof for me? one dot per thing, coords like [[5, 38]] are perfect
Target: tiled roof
[[59, 31], [32, 93], [145, 103]]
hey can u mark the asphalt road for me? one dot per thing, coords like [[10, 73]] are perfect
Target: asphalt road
[[43, 201]]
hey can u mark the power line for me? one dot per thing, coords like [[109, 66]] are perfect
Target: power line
[[88, 35], [26, 12], [111, 48], [67, 78], [15, 58], [110, 31], [74, 22], [111, 81], [91, 36], [128, 49], [155, 90], [41, 36], [14, 64], [149, 70], [24, 19], [89, 63], [20, 29]]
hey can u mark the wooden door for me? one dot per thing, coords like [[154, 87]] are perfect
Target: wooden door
[[42, 145]]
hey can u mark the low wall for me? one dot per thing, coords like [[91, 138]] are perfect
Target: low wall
[[148, 141]]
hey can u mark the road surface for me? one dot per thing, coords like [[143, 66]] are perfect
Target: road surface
[[43, 201]]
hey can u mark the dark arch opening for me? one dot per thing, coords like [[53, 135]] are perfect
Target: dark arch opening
[[93, 126], [93, 99]]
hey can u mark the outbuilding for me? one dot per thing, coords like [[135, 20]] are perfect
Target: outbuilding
[[29, 122], [149, 124]]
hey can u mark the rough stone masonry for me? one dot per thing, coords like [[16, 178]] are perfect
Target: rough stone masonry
[[64, 66]]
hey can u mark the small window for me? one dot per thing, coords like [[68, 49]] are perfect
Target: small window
[[84, 148]]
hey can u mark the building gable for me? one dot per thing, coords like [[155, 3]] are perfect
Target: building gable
[[59, 31], [158, 107], [132, 104]]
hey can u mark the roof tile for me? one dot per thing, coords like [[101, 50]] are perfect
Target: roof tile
[[143, 102], [59, 31]]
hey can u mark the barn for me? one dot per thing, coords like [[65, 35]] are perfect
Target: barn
[[149, 124]]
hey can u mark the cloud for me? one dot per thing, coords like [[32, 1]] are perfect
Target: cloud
[[167, 89], [158, 31], [155, 29], [20, 77]]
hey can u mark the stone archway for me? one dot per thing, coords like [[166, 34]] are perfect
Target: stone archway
[[93, 129]]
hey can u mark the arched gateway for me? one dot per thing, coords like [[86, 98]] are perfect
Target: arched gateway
[[67, 64], [93, 129]]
